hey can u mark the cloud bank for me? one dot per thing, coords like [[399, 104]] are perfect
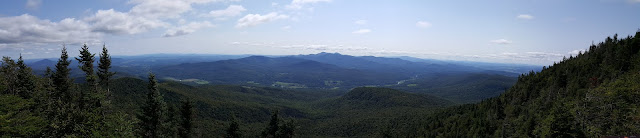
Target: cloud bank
[[250, 20]]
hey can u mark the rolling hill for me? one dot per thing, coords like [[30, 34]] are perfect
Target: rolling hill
[[280, 71], [362, 112]]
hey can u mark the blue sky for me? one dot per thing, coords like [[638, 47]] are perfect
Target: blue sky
[[513, 31]]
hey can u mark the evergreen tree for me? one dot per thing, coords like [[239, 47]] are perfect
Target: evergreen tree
[[91, 110], [278, 129], [187, 116], [287, 129], [172, 123], [104, 65], [61, 81], [91, 99], [85, 60], [8, 71], [17, 119], [272, 129], [234, 127], [61, 112], [25, 80], [153, 112]]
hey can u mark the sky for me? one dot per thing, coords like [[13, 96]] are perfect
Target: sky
[[538, 32]]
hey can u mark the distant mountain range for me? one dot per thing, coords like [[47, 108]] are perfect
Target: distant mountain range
[[319, 71]]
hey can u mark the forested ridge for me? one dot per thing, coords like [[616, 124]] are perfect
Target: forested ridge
[[594, 94]]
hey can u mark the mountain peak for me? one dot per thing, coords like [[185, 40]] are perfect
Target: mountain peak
[[325, 53]]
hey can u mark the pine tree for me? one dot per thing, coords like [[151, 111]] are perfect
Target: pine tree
[[25, 80], [186, 121], [104, 65], [86, 64], [234, 127], [278, 128], [61, 111], [91, 99], [61, 80], [91, 110], [272, 129], [153, 112], [8, 71], [172, 123], [287, 129]]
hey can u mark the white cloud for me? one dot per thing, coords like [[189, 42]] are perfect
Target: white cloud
[[423, 24], [501, 41], [114, 22], [33, 4], [525, 56], [30, 29], [299, 4], [145, 15], [160, 8], [361, 22], [232, 10], [250, 20], [525, 17], [543, 56], [576, 52], [362, 31], [187, 29], [394, 52], [324, 47]]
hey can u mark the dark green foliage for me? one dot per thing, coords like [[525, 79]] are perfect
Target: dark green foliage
[[372, 97], [460, 88], [17, 77], [368, 111], [118, 124], [593, 94], [61, 81], [272, 128], [25, 80], [187, 117], [62, 113], [216, 105], [277, 128], [53, 106], [9, 75], [86, 64], [233, 129], [17, 119], [172, 122], [91, 98], [104, 66], [154, 111]]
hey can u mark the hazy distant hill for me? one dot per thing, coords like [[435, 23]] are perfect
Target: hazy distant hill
[[394, 66], [289, 71], [322, 70]]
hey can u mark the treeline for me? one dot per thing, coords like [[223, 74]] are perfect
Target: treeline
[[594, 94], [53, 106]]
